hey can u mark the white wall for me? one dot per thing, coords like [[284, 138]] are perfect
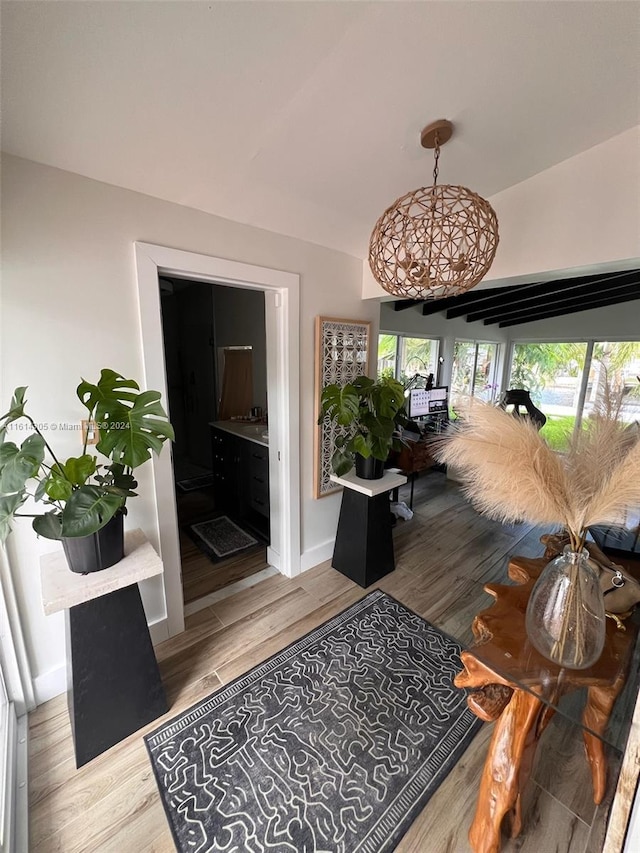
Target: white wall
[[581, 213], [70, 308]]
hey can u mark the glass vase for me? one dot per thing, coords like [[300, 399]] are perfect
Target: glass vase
[[565, 615]]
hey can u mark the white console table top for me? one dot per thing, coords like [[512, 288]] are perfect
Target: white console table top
[[388, 481], [62, 588]]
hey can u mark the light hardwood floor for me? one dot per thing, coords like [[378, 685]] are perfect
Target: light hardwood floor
[[202, 576], [444, 555]]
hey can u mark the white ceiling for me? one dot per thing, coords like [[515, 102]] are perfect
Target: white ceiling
[[304, 117]]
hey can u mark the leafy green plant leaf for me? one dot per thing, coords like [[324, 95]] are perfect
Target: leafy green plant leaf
[[108, 396], [41, 489], [9, 504], [340, 404], [379, 448], [57, 487], [77, 470], [361, 445], [363, 383], [121, 482], [87, 510], [17, 405], [145, 427], [17, 465], [48, 525], [341, 462]]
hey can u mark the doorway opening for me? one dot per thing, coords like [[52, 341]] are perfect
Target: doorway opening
[[281, 298], [215, 355]]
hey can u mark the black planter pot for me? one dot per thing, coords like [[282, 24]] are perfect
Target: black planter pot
[[99, 551], [369, 469]]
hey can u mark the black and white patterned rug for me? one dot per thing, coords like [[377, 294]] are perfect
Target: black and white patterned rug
[[335, 744], [220, 537]]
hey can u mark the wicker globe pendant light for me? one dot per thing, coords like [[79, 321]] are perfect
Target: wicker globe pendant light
[[436, 241]]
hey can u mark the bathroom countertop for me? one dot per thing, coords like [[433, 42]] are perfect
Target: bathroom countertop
[[258, 433]]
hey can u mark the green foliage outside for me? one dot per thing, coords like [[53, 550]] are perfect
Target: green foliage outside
[[558, 430], [417, 358], [537, 365], [416, 354]]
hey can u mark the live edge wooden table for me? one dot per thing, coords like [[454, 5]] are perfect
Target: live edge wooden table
[[113, 680], [518, 688], [364, 540]]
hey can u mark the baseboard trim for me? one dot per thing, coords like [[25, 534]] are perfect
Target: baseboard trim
[[316, 555], [54, 682], [273, 558], [50, 684], [159, 631]]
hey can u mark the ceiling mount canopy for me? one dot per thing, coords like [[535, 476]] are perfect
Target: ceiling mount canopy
[[436, 241]]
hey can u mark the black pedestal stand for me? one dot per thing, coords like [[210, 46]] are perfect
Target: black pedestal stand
[[114, 685], [363, 549]]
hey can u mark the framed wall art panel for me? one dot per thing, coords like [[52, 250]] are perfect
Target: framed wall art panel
[[342, 354]]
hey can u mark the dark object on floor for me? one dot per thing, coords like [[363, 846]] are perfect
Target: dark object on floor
[[192, 484], [220, 537], [114, 680], [363, 549], [520, 399], [336, 743]]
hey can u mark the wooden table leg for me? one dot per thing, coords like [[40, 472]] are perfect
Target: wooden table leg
[[515, 815], [514, 739], [595, 718]]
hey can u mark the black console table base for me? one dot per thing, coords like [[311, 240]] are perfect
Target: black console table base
[[364, 543], [114, 685]]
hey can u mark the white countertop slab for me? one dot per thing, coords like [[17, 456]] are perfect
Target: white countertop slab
[[62, 588], [389, 480], [243, 429]]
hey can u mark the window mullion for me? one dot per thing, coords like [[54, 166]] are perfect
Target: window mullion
[[584, 385], [473, 372]]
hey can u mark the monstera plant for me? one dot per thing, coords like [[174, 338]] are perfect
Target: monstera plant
[[83, 494], [368, 414]]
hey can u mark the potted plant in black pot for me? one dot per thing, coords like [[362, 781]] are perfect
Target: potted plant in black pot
[[84, 497], [370, 413]]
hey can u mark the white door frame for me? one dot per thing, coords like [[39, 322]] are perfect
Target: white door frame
[[282, 297]]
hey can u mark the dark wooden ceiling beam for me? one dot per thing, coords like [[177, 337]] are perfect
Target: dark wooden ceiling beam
[[546, 290], [403, 304], [467, 300], [433, 306], [559, 301], [583, 305]]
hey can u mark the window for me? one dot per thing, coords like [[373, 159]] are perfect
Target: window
[[402, 357], [474, 371], [568, 381], [387, 355], [615, 365]]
